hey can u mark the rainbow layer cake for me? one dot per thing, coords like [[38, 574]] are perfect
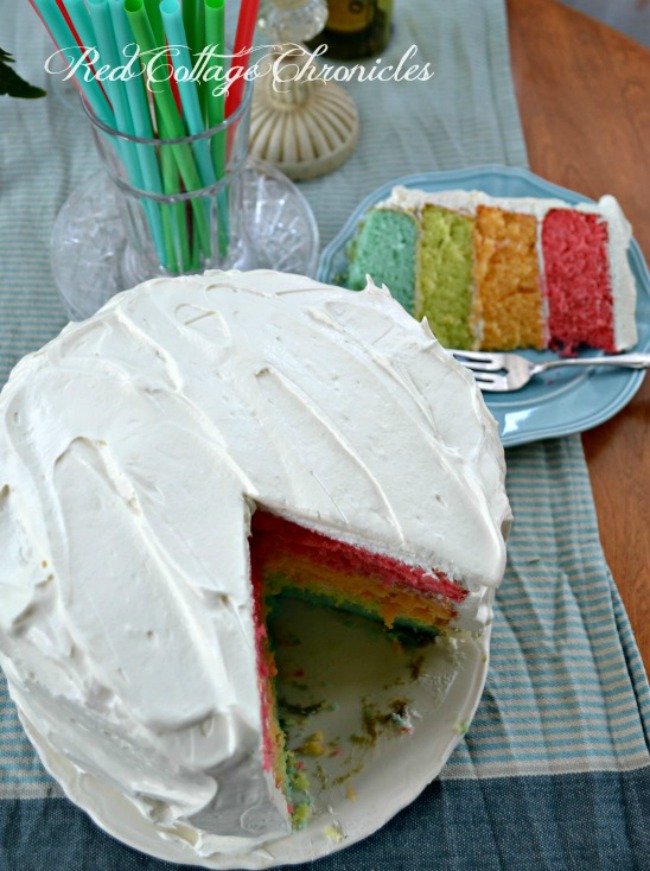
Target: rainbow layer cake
[[497, 274], [172, 467]]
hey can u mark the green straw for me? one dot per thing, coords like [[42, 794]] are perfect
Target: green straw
[[172, 21], [214, 31], [100, 16], [177, 211], [215, 109], [170, 120], [188, 23], [198, 31], [175, 31], [153, 14]]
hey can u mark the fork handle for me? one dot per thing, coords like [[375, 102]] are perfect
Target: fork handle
[[628, 361]]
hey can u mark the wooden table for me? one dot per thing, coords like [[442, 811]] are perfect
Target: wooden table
[[584, 97]]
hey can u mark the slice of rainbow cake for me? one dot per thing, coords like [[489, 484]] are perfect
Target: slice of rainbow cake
[[502, 273]]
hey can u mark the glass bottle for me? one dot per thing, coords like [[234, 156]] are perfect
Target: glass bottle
[[355, 28]]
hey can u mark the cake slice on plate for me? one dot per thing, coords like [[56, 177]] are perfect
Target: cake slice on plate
[[497, 273]]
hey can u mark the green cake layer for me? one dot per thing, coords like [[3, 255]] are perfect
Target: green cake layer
[[385, 249], [445, 281]]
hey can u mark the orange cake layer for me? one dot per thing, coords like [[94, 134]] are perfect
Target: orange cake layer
[[302, 560], [506, 273]]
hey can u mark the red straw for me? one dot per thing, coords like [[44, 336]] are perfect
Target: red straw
[[243, 44]]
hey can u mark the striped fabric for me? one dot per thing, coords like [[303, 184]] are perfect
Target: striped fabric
[[566, 692]]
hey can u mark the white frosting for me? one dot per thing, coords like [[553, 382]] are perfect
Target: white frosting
[[608, 209], [133, 449], [623, 284]]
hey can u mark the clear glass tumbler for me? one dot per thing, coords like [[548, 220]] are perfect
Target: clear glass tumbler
[[180, 199]]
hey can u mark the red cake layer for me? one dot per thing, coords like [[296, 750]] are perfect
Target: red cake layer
[[578, 284], [266, 669], [338, 556]]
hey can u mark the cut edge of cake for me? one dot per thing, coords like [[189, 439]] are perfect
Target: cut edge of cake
[[295, 559]]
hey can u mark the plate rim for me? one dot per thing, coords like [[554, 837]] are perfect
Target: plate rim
[[92, 795], [576, 424]]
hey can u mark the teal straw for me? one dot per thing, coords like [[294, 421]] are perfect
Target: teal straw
[[170, 120], [175, 31], [199, 37], [143, 128], [60, 31], [173, 24], [100, 16], [81, 20]]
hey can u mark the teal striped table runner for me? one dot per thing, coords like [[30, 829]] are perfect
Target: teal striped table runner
[[567, 707]]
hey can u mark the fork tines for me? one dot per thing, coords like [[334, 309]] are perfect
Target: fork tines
[[480, 361]]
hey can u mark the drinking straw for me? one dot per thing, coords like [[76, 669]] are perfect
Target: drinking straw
[[215, 109], [61, 35], [198, 31], [175, 31], [241, 52], [142, 127], [63, 39], [188, 23], [170, 126], [170, 121], [214, 31], [172, 21], [131, 153], [72, 24], [81, 20], [176, 210], [155, 19]]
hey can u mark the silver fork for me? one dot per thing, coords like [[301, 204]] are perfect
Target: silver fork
[[499, 372]]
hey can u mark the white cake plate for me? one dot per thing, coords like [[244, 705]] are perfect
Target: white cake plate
[[92, 259], [386, 721]]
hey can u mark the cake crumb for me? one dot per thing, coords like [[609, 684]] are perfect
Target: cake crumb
[[375, 722], [335, 832], [313, 746], [301, 815], [351, 794]]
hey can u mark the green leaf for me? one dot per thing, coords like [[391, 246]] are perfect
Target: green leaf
[[12, 84]]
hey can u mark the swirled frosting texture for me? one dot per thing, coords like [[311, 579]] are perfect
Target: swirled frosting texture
[[133, 449]]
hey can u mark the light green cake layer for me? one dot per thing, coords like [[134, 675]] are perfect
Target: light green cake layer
[[384, 249], [445, 276]]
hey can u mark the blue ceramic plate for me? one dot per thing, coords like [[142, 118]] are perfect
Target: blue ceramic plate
[[564, 401]]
